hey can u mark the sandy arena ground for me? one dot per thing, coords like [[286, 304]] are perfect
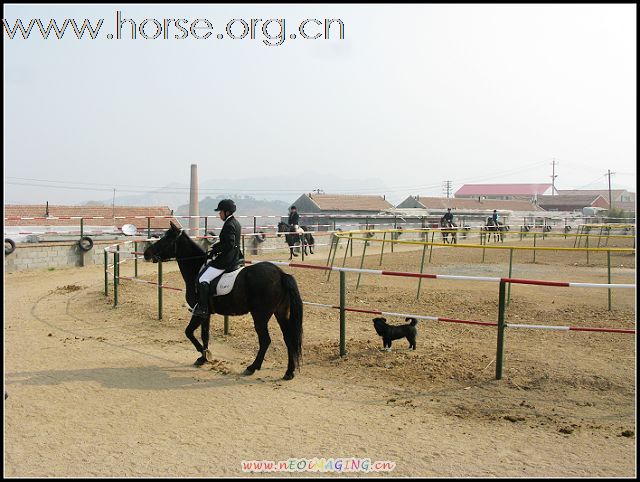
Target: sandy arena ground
[[101, 391]]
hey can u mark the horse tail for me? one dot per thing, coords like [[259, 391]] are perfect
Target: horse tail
[[294, 322], [312, 242]]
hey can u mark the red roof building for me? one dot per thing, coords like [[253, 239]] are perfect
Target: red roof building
[[50, 216]]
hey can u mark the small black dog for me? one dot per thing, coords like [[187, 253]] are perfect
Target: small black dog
[[390, 332]]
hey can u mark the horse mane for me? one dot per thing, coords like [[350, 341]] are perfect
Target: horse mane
[[191, 245]]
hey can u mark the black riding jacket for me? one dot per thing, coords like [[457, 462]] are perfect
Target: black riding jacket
[[294, 219], [227, 250], [448, 216]]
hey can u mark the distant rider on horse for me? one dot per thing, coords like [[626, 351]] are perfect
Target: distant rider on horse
[[223, 255], [448, 217], [294, 220], [495, 216]]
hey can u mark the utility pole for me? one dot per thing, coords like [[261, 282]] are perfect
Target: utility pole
[[553, 178], [113, 205], [609, 175], [446, 188]]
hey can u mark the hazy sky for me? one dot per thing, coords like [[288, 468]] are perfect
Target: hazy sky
[[413, 95]]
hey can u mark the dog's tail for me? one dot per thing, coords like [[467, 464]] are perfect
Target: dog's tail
[[413, 321]]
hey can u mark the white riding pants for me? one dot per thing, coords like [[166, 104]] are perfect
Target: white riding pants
[[209, 274]]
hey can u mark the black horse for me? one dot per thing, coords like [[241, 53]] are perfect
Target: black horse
[[261, 289], [497, 229], [450, 229], [293, 238]]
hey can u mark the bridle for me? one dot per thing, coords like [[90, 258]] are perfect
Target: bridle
[[157, 258]]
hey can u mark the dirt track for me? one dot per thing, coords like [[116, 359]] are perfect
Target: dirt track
[[95, 390]]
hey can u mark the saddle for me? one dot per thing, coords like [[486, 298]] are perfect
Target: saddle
[[223, 284]]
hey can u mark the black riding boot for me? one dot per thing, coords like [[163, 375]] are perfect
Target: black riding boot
[[202, 308]]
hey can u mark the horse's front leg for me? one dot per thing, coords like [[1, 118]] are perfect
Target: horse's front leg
[[204, 332], [195, 322]]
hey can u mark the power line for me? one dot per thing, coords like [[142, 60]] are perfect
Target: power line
[[590, 183], [97, 187]]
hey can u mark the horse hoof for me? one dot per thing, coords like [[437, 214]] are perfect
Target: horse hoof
[[207, 355], [200, 361], [247, 372], [287, 376]]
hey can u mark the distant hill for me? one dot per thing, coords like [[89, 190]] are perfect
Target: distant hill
[[247, 205], [285, 189]]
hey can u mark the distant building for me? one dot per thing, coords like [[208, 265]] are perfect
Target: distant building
[[572, 202], [341, 204], [621, 198], [43, 218], [504, 191], [322, 209]]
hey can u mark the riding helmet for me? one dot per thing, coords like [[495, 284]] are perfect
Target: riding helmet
[[226, 205]]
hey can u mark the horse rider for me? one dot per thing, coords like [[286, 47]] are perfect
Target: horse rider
[[294, 220], [448, 217], [223, 255], [495, 216]]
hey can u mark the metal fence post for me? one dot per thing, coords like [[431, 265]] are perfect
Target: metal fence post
[[424, 251], [346, 250], [351, 248], [160, 289], [501, 327], [106, 273], [135, 259], [148, 227], [510, 267], [364, 250], [384, 237], [395, 226], [343, 324], [335, 250], [116, 260], [609, 274], [331, 241], [433, 233], [587, 246]]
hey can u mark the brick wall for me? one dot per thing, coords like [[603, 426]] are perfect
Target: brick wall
[[55, 255], [67, 254]]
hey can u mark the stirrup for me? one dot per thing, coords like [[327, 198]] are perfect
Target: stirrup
[[200, 312]]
